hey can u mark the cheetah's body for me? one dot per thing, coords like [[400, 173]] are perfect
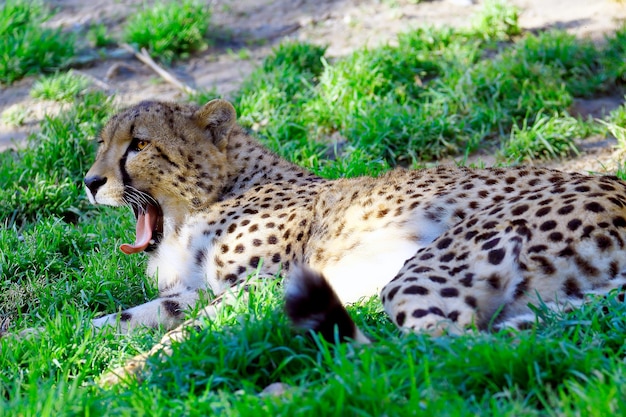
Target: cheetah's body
[[461, 243]]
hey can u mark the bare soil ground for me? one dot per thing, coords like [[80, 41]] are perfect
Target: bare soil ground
[[254, 26]]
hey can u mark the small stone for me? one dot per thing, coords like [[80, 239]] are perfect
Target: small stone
[[274, 389]]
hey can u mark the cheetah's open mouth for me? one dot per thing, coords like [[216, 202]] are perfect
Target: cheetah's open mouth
[[149, 229]]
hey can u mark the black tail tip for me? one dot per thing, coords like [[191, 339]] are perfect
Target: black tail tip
[[312, 304]]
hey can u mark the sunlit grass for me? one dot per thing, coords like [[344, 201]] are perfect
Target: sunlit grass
[[170, 29], [26, 47], [64, 86]]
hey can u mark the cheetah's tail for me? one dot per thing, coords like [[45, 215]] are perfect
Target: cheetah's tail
[[312, 304]]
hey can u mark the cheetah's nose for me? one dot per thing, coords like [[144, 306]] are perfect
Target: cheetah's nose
[[94, 183]]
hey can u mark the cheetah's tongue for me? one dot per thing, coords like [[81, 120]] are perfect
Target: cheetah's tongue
[[146, 223]]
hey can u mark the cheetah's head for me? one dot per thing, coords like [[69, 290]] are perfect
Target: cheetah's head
[[164, 160]]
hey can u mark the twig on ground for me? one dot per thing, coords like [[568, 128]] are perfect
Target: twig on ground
[[144, 57], [101, 84], [115, 69]]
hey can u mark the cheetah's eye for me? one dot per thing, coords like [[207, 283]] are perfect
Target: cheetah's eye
[[138, 144]]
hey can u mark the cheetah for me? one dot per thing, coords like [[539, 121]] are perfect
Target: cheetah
[[446, 248]]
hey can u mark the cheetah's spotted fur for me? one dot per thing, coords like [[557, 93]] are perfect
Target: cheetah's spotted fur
[[448, 246]]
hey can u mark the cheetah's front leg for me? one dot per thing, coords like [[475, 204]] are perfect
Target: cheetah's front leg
[[167, 312], [133, 367]]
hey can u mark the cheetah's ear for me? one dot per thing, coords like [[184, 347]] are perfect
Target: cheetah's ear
[[218, 117]]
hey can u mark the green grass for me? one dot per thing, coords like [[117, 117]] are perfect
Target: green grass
[[616, 125], [436, 92], [65, 86], [14, 116], [549, 137], [45, 179], [26, 47], [170, 30], [497, 21], [98, 35]]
